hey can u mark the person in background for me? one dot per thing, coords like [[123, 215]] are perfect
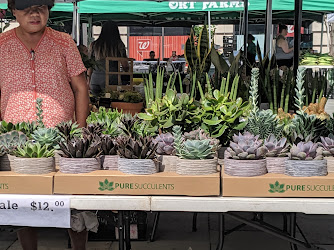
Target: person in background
[[251, 53], [174, 57], [152, 56], [109, 44], [39, 62], [284, 54]]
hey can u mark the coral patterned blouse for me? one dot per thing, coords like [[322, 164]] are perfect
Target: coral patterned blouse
[[45, 73]]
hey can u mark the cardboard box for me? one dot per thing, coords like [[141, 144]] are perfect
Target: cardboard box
[[13, 183], [118, 183], [278, 185]]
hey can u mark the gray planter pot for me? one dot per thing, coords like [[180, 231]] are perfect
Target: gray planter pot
[[6, 162], [137, 166], [33, 165], [78, 165], [330, 164], [196, 167], [306, 168], [167, 163], [276, 165], [109, 162], [245, 168]]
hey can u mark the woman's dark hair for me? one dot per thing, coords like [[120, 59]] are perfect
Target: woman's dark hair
[[11, 5], [282, 27], [109, 43]]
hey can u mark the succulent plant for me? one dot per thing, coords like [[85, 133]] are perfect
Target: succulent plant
[[127, 124], [165, 144], [264, 123], [178, 139], [200, 134], [276, 148], [34, 150], [25, 127], [136, 148], [10, 141], [327, 144], [108, 145], [69, 129], [246, 147], [46, 136], [87, 146], [306, 151], [196, 150], [93, 129]]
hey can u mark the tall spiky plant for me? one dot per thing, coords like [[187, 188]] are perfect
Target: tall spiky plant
[[300, 90], [39, 112], [253, 90]]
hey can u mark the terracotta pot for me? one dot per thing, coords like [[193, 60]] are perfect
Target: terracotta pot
[[245, 168], [127, 107]]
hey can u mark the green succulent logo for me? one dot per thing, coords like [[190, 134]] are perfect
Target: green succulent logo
[[276, 188], [106, 185]]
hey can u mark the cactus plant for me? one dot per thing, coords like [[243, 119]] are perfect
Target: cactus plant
[[10, 141], [46, 136], [246, 147], [136, 148], [165, 144], [34, 150], [275, 147], [306, 151], [328, 145]]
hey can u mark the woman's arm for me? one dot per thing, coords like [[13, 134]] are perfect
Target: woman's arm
[[284, 45]]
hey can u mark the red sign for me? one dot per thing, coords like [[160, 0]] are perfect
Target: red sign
[[291, 30], [144, 45]]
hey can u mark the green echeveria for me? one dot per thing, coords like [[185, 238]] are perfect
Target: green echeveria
[[196, 149], [10, 141], [34, 150], [46, 136]]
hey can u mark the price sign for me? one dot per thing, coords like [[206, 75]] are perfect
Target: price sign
[[35, 211]]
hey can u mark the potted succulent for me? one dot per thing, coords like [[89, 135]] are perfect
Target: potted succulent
[[166, 152], [128, 101], [306, 159], [327, 144], [79, 154], [33, 158], [276, 154], [137, 155], [9, 142], [196, 157], [109, 155], [245, 156]]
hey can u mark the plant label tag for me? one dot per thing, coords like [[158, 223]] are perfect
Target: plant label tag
[[35, 210]]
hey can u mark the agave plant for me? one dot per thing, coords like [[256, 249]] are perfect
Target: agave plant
[[127, 124], [87, 146], [10, 141], [69, 129], [306, 151], [93, 129], [108, 145], [276, 148], [327, 144], [34, 150], [246, 147], [136, 148], [46, 136], [165, 144]]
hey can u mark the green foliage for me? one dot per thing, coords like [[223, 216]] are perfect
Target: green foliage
[[136, 148], [172, 110], [126, 96], [69, 130], [300, 90], [150, 95], [46, 136], [254, 90], [10, 141], [34, 150], [178, 140], [39, 112], [25, 127]]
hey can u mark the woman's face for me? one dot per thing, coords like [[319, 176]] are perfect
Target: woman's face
[[32, 19], [284, 32]]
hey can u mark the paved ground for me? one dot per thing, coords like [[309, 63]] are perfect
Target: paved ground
[[175, 233]]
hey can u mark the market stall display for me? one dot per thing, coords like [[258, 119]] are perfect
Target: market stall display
[[309, 59]]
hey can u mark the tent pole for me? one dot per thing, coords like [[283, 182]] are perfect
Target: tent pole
[[78, 26], [269, 26], [90, 29], [74, 20], [245, 30], [297, 36], [162, 43], [209, 24], [322, 33]]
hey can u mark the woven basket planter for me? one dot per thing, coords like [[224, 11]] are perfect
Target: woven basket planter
[[109, 162], [196, 167], [78, 165], [33, 165], [6, 162], [306, 168], [276, 164], [137, 166], [245, 168], [167, 163], [330, 164]]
